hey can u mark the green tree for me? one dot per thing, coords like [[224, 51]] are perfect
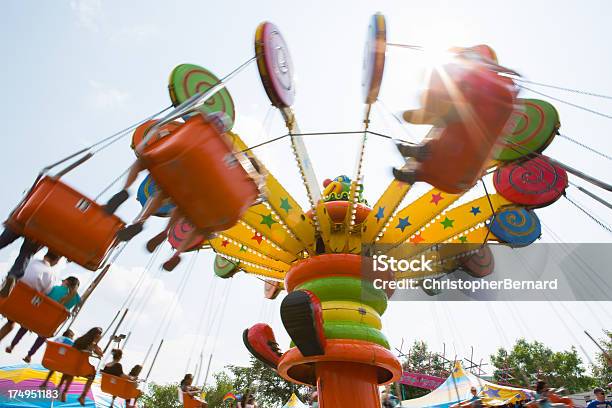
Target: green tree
[[215, 393], [161, 396], [602, 367], [265, 384], [527, 362], [420, 359]]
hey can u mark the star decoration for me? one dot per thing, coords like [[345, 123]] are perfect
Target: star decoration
[[448, 223], [224, 243], [435, 198], [475, 210], [463, 239], [267, 220], [380, 213], [416, 239], [257, 237], [243, 248], [403, 223], [492, 393], [285, 204]]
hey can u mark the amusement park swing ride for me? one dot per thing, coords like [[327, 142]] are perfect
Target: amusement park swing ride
[[332, 312]]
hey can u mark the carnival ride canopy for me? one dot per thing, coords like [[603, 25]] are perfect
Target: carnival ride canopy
[[457, 388], [19, 387], [294, 402]]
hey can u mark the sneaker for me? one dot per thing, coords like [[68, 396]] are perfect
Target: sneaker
[[156, 241], [404, 175], [172, 263], [261, 343], [7, 287], [302, 316], [417, 151], [115, 201], [130, 232]]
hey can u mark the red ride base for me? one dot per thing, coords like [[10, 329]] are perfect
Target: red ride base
[[343, 384]]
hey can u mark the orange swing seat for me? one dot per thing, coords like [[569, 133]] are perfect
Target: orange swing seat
[[119, 387], [187, 400], [196, 167], [66, 359], [68, 223], [33, 310]]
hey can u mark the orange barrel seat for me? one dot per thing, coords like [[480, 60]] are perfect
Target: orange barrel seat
[[68, 223], [187, 400], [119, 387], [66, 359], [197, 169], [33, 310]]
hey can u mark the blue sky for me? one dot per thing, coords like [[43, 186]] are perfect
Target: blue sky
[[77, 70]]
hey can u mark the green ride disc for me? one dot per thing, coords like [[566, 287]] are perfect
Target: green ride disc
[[187, 80], [536, 126]]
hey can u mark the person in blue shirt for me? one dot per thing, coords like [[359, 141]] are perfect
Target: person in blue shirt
[[600, 399], [65, 294]]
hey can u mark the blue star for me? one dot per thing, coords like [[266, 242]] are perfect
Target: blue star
[[492, 393], [403, 223], [380, 213], [475, 210]]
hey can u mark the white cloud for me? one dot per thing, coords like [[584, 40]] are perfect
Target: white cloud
[[107, 97], [87, 13]]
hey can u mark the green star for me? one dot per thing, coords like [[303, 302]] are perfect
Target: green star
[[463, 238], [448, 223], [285, 204], [243, 248], [267, 220]]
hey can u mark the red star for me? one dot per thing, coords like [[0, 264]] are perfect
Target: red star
[[224, 243], [435, 198], [257, 237], [416, 239]]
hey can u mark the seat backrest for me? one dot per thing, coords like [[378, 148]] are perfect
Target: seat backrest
[[67, 222], [180, 394], [66, 359], [33, 310], [119, 387]]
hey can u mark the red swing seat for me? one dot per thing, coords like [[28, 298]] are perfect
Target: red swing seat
[[68, 223], [119, 387], [33, 310], [196, 167], [66, 359]]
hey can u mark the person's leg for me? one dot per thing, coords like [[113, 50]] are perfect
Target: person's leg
[[157, 240], [6, 329], [151, 207], [7, 237], [44, 383], [68, 381], [175, 259], [86, 389], [37, 344], [18, 336], [119, 198]]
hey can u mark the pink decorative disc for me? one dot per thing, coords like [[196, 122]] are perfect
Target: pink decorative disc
[[480, 264], [179, 233], [274, 64], [533, 183]]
